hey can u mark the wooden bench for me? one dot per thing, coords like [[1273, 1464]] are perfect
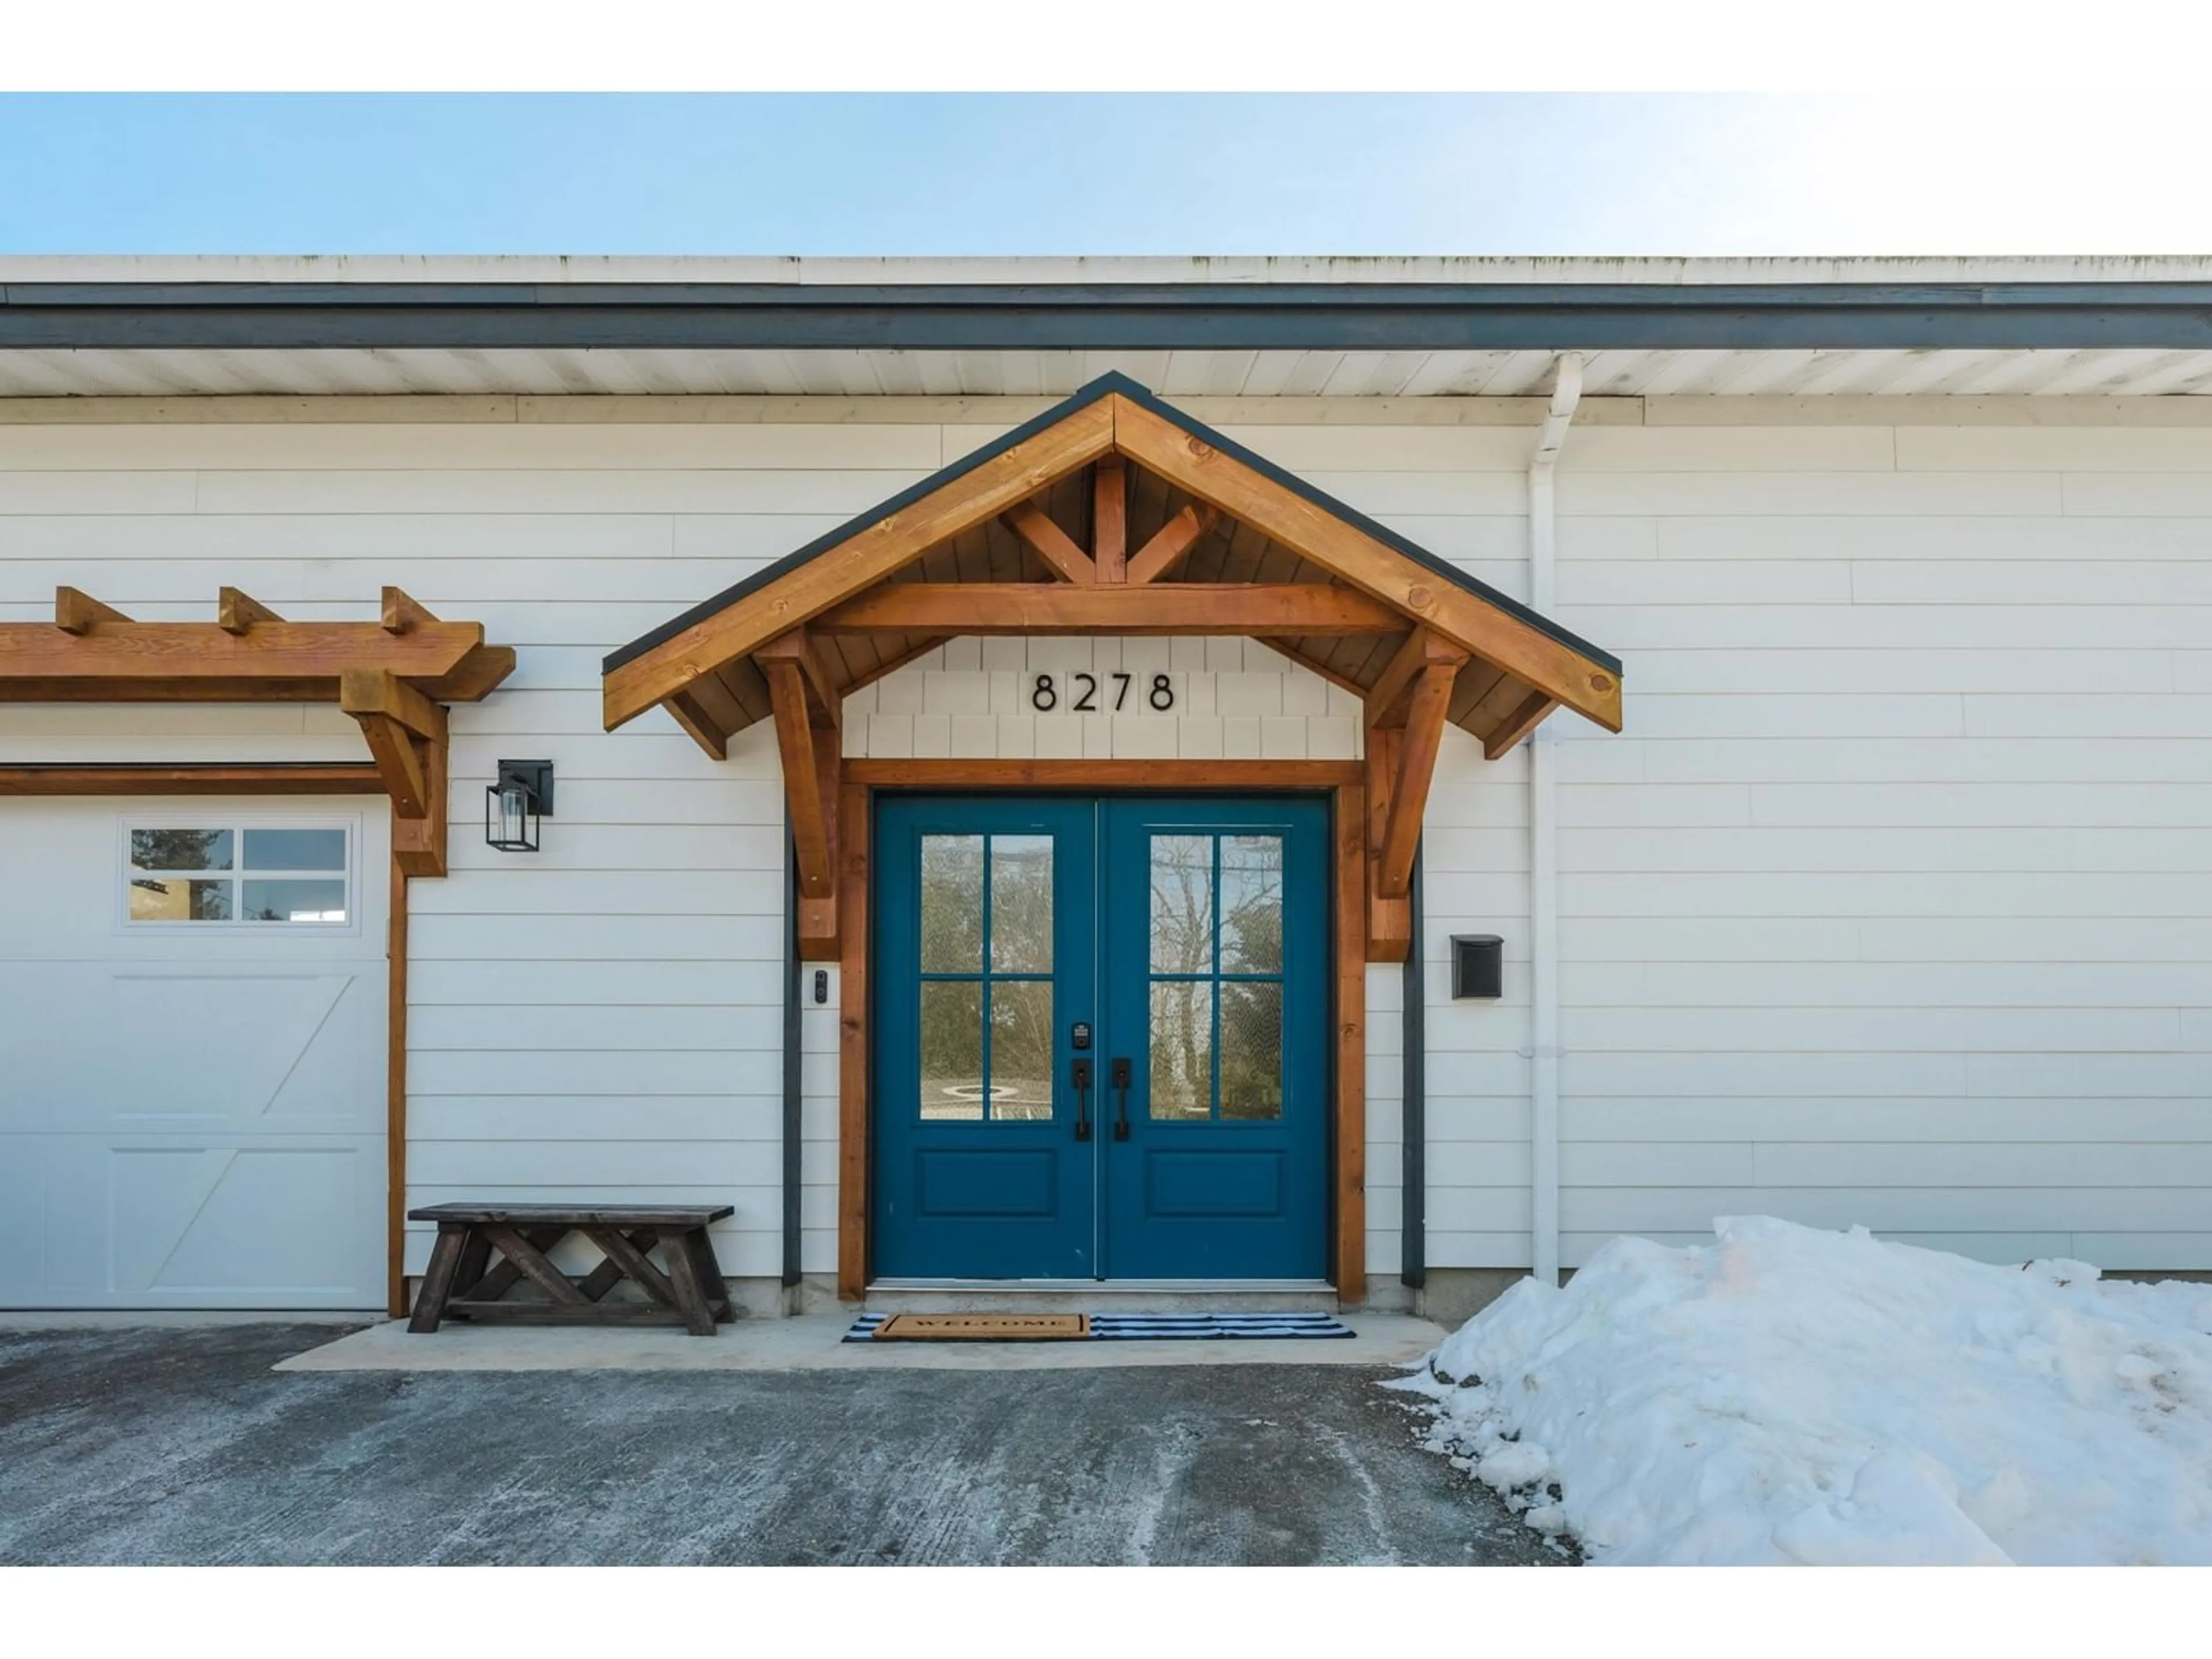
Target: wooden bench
[[462, 1282]]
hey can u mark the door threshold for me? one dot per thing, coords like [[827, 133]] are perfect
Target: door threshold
[[1109, 1286], [1102, 1296]]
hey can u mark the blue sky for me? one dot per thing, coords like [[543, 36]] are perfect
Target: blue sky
[[997, 175]]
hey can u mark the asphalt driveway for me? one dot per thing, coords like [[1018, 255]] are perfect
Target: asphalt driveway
[[179, 1444]]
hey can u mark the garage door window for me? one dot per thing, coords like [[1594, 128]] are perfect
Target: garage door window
[[240, 875]]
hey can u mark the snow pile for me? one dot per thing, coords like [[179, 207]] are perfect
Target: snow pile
[[1790, 1396]]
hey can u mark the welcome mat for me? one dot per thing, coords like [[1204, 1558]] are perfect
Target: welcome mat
[[1091, 1327]]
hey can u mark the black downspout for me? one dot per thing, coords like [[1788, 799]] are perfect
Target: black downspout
[[791, 1057], [1414, 1229]]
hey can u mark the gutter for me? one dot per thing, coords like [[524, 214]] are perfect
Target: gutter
[[1105, 316], [1543, 853]]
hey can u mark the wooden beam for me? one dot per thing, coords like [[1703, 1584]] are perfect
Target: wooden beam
[[853, 922], [278, 778], [202, 662], [379, 692], [817, 916], [824, 705], [1349, 867], [400, 762], [1351, 555], [418, 845], [1389, 921], [1109, 520], [685, 708], [1172, 541], [808, 793], [403, 615], [75, 612], [236, 611], [869, 555], [474, 679], [1417, 765], [887, 774], [1288, 610], [1050, 542], [1518, 724]]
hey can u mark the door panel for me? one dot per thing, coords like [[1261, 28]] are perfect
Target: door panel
[[1216, 995], [985, 947]]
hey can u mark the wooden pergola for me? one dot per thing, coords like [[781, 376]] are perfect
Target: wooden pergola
[[394, 676], [1114, 515]]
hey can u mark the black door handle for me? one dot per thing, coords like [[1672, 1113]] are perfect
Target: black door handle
[[1079, 1074], [1122, 1108]]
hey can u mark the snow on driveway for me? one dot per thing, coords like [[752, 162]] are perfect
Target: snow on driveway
[[1791, 1396]]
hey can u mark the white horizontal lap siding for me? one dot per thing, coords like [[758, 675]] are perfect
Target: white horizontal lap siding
[[1888, 906], [1895, 883], [604, 1016]]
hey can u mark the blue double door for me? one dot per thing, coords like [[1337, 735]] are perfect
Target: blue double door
[[1101, 1037]]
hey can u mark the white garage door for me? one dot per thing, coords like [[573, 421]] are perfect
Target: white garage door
[[193, 1053]]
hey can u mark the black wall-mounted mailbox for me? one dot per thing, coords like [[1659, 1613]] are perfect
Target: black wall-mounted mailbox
[[1478, 964]]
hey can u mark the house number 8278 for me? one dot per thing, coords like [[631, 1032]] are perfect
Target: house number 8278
[[1080, 692]]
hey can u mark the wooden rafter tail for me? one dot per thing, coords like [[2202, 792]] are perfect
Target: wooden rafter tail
[[1165, 550], [236, 611], [76, 613], [1036, 529], [403, 615], [1521, 723], [688, 711]]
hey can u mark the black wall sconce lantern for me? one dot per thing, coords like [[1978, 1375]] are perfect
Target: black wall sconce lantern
[[514, 806], [1478, 964]]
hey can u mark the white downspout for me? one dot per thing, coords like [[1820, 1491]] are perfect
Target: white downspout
[[1543, 853]]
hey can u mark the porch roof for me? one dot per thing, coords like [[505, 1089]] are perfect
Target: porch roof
[[1022, 537]]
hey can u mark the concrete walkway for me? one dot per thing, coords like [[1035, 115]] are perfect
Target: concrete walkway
[[182, 1443], [815, 1342]]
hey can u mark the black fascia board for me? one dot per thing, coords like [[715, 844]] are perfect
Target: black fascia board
[[1106, 316], [1105, 384]]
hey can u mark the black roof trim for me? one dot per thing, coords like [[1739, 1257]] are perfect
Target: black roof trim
[[1090, 394], [1106, 316]]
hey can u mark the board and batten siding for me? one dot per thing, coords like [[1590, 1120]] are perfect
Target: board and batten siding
[[1892, 904]]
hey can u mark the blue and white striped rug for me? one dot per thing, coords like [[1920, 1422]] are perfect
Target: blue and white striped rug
[[1177, 1328]]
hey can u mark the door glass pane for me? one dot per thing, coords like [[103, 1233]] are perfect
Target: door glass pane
[[180, 850], [951, 904], [295, 849], [1183, 904], [294, 900], [1183, 1048], [174, 898], [1021, 904], [1251, 911], [1252, 1050], [1021, 1048], [952, 1050]]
